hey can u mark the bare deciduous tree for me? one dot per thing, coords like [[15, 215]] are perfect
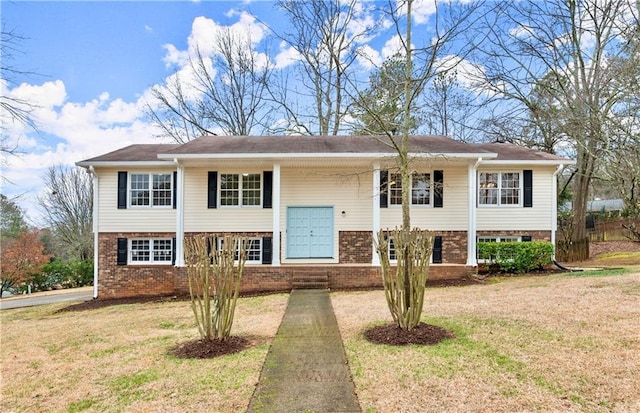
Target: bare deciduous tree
[[326, 46], [67, 208], [12, 109], [551, 62], [404, 286], [223, 93]]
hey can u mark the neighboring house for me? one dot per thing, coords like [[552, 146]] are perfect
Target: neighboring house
[[311, 205]]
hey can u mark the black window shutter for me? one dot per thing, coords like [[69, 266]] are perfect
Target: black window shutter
[[384, 189], [173, 251], [267, 188], [438, 190], [437, 250], [122, 251], [266, 250], [175, 189], [212, 190], [527, 178], [526, 238], [122, 190]]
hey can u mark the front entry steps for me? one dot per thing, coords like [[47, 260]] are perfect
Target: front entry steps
[[311, 280]]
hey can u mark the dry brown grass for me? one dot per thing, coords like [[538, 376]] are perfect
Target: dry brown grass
[[548, 343], [553, 343], [116, 359]]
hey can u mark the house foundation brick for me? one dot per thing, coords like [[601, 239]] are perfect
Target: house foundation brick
[[354, 270]]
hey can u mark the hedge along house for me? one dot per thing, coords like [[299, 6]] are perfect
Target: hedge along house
[[311, 206]]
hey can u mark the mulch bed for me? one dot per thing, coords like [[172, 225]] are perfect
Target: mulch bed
[[422, 334], [206, 349]]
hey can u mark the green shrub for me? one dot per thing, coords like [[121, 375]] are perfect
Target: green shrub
[[65, 274], [516, 257]]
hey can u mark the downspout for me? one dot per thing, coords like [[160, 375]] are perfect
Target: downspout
[[554, 207], [472, 218], [95, 231], [179, 214]]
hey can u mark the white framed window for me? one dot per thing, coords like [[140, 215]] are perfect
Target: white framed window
[[151, 190], [254, 250], [151, 251], [420, 188], [499, 188], [240, 190], [393, 255]]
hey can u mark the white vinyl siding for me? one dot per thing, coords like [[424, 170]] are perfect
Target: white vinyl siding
[[513, 218], [131, 219], [199, 218], [452, 217]]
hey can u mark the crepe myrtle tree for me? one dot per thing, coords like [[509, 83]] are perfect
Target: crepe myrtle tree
[[214, 273], [405, 284]]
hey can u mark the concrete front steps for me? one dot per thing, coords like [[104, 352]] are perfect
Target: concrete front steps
[[310, 280]]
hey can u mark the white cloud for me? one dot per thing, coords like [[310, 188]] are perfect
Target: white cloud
[[522, 31], [421, 10], [393, 47], [173, 56], [287, 56], [368, 57], [67, 132]]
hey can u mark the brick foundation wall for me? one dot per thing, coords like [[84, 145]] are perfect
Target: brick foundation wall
[[355, 247], [131, 280], [353, 272]]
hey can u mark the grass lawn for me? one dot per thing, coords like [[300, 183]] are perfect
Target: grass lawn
[[546, 343], [115, 359]]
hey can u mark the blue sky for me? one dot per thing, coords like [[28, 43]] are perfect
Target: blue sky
[[95, 62], [88, 59]]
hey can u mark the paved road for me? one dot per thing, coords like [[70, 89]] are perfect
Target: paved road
[[48, 297]]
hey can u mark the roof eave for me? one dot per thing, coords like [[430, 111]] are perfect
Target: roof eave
[[172, 156], [86, 164]]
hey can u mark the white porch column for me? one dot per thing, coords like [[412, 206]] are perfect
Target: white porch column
[[375, 225], [554, 207], [179, 215], [472, 216], [275, 205], [96, 253]]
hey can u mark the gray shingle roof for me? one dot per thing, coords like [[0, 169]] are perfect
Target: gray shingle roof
[[321, 145]]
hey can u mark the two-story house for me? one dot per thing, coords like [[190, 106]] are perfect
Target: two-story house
[[308, 205]]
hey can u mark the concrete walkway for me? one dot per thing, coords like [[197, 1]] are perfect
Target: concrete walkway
[[306, 368]]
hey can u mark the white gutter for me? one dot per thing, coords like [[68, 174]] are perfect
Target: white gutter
[[545, 162], [96, 255], [554, 207], [472, 215], [179, 214]]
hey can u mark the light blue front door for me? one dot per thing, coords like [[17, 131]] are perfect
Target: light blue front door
[[310, 232]]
